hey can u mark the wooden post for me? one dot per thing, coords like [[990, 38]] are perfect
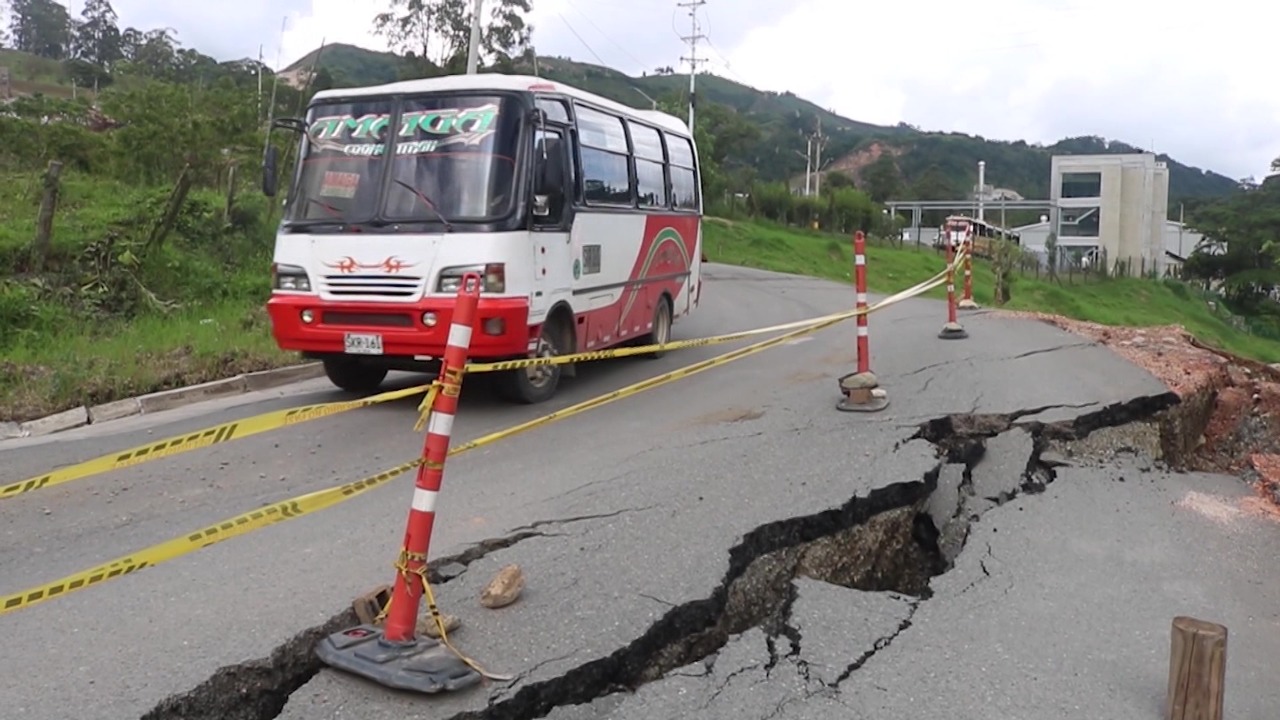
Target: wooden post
[[176, 199], [44, 221], [231, 191], [1197, 669]]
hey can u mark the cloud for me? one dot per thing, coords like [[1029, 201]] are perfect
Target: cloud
[[227, 32], [1193, 84], [1196, 85]]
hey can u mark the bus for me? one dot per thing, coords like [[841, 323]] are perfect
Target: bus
[[582, 215], [956, 228]]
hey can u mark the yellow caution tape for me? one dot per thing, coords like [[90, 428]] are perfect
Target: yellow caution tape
[[319, 500], [618, 352], [178, 444], [322, 499], [225, 530], [257, 424], [611, 353]]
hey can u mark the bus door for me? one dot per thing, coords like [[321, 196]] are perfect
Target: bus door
[[552, 256]]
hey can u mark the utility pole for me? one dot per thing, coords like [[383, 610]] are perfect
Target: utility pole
[[808, 163], [819, 141], [473, 52], [692, 38]]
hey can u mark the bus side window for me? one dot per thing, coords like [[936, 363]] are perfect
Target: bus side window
[[551, 178]]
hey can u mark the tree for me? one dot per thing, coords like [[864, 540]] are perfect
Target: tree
[[1275, 165], [156, 53], [40, 27], [98, 38], [439, 31], [882, 179], [1243, 253]]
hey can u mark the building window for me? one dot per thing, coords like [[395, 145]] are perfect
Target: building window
[[1081, 185], [1079, 222]]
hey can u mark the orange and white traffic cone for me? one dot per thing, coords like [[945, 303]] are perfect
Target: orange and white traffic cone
[[952, 330], [861, 389], [394, 656]]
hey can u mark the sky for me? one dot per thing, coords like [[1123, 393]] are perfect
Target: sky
[[1183, 79]]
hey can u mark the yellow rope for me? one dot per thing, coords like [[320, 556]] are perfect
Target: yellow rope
[[402, 565], [424, 407]]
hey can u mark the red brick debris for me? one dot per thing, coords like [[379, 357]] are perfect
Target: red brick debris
[[1243, 433]]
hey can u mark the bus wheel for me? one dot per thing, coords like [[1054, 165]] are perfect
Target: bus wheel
[[353, 375], [661, 333], [538, 383]]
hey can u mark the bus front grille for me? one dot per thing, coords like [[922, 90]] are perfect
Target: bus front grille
[[375, 285]]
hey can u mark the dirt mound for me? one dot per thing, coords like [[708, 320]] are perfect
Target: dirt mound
[[1238, 399]]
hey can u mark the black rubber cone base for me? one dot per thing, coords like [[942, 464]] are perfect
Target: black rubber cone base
[[424, 666], [953, 331]]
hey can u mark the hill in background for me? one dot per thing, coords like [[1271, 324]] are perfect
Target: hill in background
[[913, 164]]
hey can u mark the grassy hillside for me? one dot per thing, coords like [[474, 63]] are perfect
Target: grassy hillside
[[932, 165], [31, 75], [111, 318], [1119, 301], [352, 65]]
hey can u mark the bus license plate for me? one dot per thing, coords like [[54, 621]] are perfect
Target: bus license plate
[[362, 344]]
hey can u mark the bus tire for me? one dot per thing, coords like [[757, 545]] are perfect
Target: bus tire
[[353, 375], [661, 332], [538, 384]]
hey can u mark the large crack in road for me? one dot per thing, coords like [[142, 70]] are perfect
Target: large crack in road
[[896, 538]]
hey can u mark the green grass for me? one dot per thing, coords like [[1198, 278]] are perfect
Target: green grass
[[106, 320], [86, 365], [64, 345], [1121, 301]]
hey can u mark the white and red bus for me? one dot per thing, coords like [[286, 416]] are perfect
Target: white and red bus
[[583, 217], [957, 228]]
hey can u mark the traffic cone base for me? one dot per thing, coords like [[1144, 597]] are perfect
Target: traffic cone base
[[953, 331], [862, 393], [968, 304], [423, 665]]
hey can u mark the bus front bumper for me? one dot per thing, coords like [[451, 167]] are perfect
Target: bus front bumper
[[307, 324]]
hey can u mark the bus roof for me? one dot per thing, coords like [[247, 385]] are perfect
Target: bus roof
[[500, 81]]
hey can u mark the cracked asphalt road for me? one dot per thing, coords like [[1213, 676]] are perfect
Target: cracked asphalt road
[[659, 488]]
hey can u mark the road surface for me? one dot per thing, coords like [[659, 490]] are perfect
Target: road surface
[[701, 507]]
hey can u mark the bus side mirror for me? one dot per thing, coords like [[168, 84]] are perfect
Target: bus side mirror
[[270, 171]]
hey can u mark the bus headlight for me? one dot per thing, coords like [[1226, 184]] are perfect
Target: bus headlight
[[493, 275], [289, 277]]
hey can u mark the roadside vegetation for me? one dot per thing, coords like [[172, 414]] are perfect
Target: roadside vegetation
[[892, 267], [135, 247]]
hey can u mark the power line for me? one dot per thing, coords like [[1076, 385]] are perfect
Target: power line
[[728, 66], [607, 36], [692, 39], [584, 42]]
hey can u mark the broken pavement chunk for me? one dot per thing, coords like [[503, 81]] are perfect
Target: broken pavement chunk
[[504, 588]]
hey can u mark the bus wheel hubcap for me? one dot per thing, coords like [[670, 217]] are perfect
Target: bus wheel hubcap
[[541, 374]]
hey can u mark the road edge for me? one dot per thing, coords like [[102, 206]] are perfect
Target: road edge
[[160, 401]]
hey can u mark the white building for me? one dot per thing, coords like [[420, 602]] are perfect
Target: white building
[[1116, 203]]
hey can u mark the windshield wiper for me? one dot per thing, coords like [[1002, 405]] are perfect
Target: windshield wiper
[[426, 201], [327, 208]]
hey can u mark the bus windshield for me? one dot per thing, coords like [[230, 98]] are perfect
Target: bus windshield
[[454, 159]]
